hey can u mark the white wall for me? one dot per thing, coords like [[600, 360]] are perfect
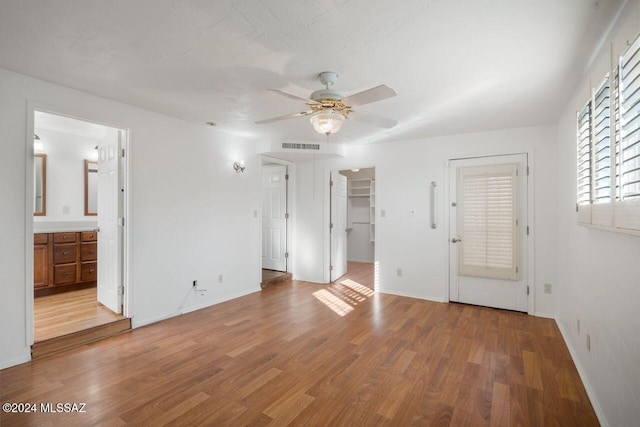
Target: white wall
[[66, 154], [192, 217], [404, 171], [599, 271]]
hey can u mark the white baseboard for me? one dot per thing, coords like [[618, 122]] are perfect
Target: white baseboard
[[545, 315], [583, 376], [403, 294], [13, 362]]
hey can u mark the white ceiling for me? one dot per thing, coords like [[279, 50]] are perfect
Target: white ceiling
[[457, 65]]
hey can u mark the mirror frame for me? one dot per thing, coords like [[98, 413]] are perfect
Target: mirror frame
[[43, 212], [86, 187]]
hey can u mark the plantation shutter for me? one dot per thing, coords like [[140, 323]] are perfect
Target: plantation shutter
[[584, 156], [616, 131], [602, 144], [487, 221], [630, 123]]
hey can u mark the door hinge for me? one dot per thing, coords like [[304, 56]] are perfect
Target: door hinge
[[516, 269], [122, 152], [330, 226], [286, 177], [286, 254], [286, 216], [527, 289], [121, 290], [121, 221], [517, 172], [527, 170], [331, 268], [330, 183], [517, 222], [527, 230], [577, 207]]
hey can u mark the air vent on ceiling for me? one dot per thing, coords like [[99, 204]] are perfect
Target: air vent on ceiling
[[294, 146]]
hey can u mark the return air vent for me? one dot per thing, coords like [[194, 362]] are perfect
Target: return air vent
[[297, 146]]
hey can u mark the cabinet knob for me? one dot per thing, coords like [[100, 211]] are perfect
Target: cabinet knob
[[65, 253], [66, 274], [66, 237], [92, 251], [92, 270]]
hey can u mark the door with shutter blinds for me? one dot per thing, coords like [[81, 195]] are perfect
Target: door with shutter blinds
[[488, 223]]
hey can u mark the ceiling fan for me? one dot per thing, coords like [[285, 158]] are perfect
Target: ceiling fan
[[330, 108]]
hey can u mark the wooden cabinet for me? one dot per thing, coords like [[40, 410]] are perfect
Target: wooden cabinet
[[40, 261], [64, 261]]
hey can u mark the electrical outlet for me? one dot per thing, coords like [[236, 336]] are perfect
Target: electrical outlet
[[578, 325], [195, 283], [399, 272], [220, 278], [588, 342], [547, 288]]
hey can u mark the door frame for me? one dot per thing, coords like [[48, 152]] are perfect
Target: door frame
[[530, 153], [291, 207], [326, 217], [32, 107]]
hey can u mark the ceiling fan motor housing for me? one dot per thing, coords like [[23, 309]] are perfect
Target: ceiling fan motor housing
[[321, 94]]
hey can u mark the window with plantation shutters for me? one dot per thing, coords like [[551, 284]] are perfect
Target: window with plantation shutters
[[630, 124], [584, 155], [488, 221], [616, 132], [602, 144]]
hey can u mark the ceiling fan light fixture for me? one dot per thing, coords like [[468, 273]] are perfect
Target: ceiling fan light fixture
[[327, 121]]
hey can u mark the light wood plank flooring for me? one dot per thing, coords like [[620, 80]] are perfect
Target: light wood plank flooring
[[69, 312], [310, 354]]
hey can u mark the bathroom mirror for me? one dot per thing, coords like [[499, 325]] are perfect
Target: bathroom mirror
[[90, 188], [40, 184]]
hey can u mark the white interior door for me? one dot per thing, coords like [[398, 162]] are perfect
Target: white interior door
[[109, 237], [338, 225], [274, 222], [488, 232]]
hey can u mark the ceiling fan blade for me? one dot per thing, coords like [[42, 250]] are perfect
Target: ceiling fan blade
[[368, 96], [288, 116], [293, 96], [373, 120]]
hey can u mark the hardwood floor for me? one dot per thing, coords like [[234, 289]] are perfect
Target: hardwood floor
[[309, 354], [65, 313], [273, 278]]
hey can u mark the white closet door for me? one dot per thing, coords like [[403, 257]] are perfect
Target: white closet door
[[338, 226], [274, 223]]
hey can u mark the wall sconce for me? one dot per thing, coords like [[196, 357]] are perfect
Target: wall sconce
[[239, 166]]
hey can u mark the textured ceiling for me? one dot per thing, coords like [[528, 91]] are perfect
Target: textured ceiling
[[457, 65]]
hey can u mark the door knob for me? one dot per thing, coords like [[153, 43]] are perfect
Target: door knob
[[454, 240]]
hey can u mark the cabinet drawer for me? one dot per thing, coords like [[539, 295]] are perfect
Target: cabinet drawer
[[64, 253], [40, 239], [89, 252], [89, 271], [89, 236], [65, 273], [64, 237]]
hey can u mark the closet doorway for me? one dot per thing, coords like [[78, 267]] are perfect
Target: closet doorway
[[274, 195], [360, 218], [78, 230]]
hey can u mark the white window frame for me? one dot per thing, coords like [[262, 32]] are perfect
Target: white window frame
[[618, 214]]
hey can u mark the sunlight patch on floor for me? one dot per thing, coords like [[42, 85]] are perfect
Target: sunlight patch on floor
[[333, 302], [367, 292], [342, 297]]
